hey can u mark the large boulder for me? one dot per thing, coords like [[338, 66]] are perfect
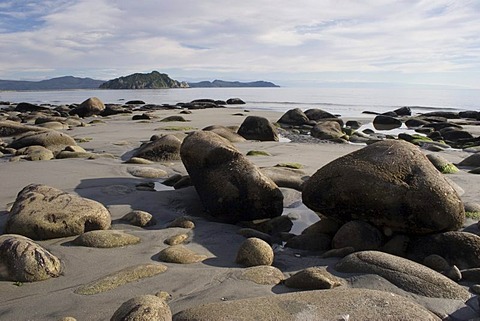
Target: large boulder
[[42, 212], [389, 184], [23, 260], [50, 139], [294, 117], [341, 304], [407, 275], [258, 128], [230, 187], [165, 148], [91, 106]]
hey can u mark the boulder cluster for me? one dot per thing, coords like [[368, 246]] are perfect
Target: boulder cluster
[[385, 210]]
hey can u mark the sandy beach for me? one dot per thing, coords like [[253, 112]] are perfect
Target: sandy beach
[[108, 180]]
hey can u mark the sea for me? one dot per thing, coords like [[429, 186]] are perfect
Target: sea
[[347, 102]]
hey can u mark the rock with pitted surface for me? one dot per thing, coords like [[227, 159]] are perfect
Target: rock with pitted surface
[[388, 184], [407, 275], [254, 252], [143, 308], [231, 188], [337, 304], [458, 248], [50, 139], [23, 260], [91, 106], [42, 212], [165, 148]]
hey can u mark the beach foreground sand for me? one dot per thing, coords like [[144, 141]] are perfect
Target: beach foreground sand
[[109, 180]]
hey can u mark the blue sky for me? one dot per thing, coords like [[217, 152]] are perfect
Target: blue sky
[[293, 43]]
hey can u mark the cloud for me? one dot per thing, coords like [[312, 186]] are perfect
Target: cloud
[[253, 37]]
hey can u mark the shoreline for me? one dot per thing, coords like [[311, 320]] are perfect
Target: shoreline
[[109, 180]]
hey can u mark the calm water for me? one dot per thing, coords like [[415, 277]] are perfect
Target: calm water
[[343, 101]]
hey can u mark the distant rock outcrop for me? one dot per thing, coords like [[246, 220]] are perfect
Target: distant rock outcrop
[[225, 84], [153, 80]]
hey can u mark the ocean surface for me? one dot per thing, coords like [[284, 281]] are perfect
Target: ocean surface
[[342, 101]]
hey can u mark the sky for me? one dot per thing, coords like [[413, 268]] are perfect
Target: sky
[[292, 43]]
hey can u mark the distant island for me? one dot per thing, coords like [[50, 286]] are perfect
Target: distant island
[[153, 80], [59, 83], [228, 84]]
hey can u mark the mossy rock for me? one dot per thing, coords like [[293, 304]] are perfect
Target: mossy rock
[[83, 139], [177, 128], [473, 215], [120, 278], [174, 118], [290, 165], [258, 153], [449, 169], [106, 239], [180, 254], [262, 274]]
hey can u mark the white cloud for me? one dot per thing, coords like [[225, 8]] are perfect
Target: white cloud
[[254, 37]]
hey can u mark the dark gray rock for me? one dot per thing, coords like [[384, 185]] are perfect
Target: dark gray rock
[[231, 188], [359, 235], [258, 128], [317, 114], [294, 117], [91, 106], [165, 148], [458, 248], [383, 122], [327, 130], [389, 184]]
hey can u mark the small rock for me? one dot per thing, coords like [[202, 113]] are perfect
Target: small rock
[[176, 239], [359, 235], [475, 288], [139, 218], [436, 262], [262, 274], [313, 278], [106, 239], [165, 296], [145, 307], [453, 273], [254, 252], [182, 222], [342, 252], [181, 255], [147, 172]]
